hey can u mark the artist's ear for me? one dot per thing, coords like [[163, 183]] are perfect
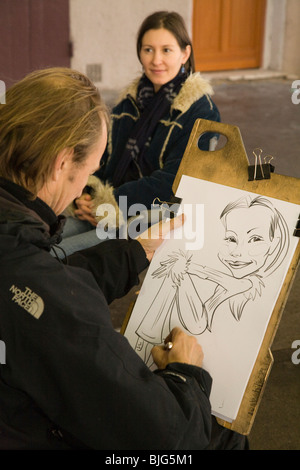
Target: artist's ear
[[63, 162]]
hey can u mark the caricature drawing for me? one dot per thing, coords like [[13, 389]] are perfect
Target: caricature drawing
[[256, 241]]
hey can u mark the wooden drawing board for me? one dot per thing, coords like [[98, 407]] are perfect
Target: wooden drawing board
[[229, 166]]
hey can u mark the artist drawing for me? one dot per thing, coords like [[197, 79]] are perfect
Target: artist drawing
[[255, 243]]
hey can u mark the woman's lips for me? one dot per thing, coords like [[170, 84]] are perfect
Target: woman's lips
[[238, 264], [157, 71]]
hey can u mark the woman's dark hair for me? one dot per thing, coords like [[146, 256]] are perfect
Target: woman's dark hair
[[174, 23]]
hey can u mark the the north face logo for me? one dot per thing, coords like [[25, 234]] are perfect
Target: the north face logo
[[28, 300]]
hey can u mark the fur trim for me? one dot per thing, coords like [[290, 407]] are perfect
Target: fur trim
[[102, 195], [131, 90], [192, 90]]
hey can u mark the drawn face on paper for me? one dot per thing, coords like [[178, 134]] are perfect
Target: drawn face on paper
[[247, 243]]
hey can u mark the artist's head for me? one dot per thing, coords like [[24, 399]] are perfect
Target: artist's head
[[163, 47], [53, 132], [256, 237]]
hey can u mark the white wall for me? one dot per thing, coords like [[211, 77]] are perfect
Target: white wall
[[282, 36], [104, 32], [291, 53], [274, 34]]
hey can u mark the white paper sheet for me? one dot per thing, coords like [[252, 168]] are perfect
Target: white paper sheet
[[218, 278]]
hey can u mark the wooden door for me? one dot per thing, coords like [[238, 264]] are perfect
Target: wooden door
[[33, 34], [228, 34]]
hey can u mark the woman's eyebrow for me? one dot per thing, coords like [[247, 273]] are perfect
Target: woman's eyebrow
[[255, 228], [164, 45]]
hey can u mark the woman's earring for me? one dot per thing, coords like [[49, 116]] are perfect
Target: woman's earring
[[182, 70]]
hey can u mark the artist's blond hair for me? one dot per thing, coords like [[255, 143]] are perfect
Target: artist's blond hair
[[46, 112]]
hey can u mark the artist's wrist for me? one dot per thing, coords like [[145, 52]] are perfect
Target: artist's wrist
[[201, 375]]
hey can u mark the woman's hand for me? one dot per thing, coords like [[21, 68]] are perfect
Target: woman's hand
[[85, 209], [185, 349]]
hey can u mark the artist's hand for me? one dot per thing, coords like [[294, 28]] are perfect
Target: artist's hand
[[185, 349], [85, 209], [152, 238]]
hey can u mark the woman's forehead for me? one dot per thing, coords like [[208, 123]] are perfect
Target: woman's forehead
[[258, 216], [159, 36]]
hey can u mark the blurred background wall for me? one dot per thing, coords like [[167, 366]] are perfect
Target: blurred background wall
[[104, 33], [98, 36]]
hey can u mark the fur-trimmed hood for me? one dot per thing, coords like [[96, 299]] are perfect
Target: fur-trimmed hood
[[192, 90]]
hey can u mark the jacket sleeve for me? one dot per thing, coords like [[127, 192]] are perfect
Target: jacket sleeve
[[73, 368], [115, 265], [176, 375], [97, 391]]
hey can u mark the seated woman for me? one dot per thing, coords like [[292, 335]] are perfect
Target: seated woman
[[150, 128]]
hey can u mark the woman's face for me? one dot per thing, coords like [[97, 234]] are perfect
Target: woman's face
[[247, 243], [161, 56]]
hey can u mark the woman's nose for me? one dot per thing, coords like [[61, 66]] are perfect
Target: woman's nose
[[236, 251], [157, 57]]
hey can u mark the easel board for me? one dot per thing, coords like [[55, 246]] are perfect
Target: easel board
[[226, 170]]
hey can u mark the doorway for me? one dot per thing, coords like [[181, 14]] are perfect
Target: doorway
[[228, 34]]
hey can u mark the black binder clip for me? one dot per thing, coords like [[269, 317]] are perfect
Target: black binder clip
[[261, 171], [297, 229]]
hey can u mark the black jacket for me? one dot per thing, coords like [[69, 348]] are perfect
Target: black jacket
[[70, 380], [168, 142]]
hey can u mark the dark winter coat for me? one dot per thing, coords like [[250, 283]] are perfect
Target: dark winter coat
[[168, 142], [69, 379]]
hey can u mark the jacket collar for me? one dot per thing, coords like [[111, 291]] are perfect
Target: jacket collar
[[191, 91], [24, 196], [19, 208]]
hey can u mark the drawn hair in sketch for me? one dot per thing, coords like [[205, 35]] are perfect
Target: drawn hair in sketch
[[255, 244], [275, 251], [278, 227]]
